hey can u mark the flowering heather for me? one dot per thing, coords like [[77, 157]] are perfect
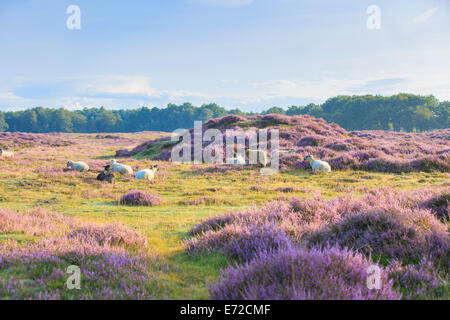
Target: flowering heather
[[239, 242], [300, 216], [383, 224], [382, 151], [107, 272], [439, 205], [406, 235], [26, 140], [35, 223], [108, 269], [140, 198], [113, 234], [419, 281], [299, 274]]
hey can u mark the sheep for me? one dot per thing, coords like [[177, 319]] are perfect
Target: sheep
[[6, 154], [106, 175], [121, 168], [77, 166], [260, 155], [318, 165], [236, 160], [147, 174]]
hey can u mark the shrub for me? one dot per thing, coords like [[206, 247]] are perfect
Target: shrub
[[140, 198], [406, 235], [111, 234], [239, 242], [419, 282], [299, 274], [108, 269], [439, 205]]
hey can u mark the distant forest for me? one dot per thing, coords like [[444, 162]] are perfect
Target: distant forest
[[401, 112]]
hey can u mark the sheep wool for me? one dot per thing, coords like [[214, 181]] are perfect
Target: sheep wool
[[6, 154], [120, 168], [318, 165], [147, 174], [78, 166], [236, 160]]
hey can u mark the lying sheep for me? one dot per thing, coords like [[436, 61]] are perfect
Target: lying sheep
[[120, 168], [259, 155], [6, 154], [236, 160], [318, 165], [147, 174], [106, 175], [77, 166]]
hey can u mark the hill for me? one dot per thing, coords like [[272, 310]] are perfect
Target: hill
[[382, 151]]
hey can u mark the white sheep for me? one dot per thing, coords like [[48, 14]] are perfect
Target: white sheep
[[147, 174], [259, 155], [78, 166], [6, 154], [236, 160], [318, 165], [120, 168]]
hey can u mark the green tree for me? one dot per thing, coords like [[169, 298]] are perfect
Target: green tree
[[3, 125]]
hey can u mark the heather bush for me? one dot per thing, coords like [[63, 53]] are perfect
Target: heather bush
[[239, 242], [140, 198], [38, 222], [300, 274], [298, 217], [419, 281], [107, 272], [406, 235], [439, 205], [383, 225], [114, 260], [113, 234]]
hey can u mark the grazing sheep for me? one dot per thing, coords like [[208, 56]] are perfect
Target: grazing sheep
[[120, 168], [260, 155], [147, 174], [77, 166], [318, 165], [106, 175], [236, 160], [6, 154]]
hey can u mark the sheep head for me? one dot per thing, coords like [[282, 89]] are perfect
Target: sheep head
[[310, 159]]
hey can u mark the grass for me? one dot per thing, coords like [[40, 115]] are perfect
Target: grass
[[166, 225]]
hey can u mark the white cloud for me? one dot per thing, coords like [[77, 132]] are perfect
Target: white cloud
[[116, 85], [425, 16], [8, 96]]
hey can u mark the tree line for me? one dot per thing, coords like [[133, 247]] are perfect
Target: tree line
[[401, 112]]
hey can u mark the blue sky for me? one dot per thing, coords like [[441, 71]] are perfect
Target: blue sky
[[249, 54]]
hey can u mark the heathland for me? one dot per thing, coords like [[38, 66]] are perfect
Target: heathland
[[211, 231]]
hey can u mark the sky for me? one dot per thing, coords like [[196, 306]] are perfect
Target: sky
[[246, 54]]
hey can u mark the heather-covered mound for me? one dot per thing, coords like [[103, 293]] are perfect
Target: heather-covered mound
[[399, 230], [382, 151], [113, 260], [140, 198], [299, 274]]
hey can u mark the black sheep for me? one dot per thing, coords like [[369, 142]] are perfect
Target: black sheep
[[106, 175]]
